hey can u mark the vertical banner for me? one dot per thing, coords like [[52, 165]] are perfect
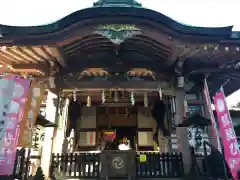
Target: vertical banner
[[212, 118], [15, 115], [229, 140], [32, 107], [6, 92]]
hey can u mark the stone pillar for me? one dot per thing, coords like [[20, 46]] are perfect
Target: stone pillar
[[182, 131]]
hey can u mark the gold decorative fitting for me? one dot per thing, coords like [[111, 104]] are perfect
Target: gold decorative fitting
[[94, 72], [118, 27], [209, 46], [141, 72]]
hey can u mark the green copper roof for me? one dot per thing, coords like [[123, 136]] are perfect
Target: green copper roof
[[117, 3]]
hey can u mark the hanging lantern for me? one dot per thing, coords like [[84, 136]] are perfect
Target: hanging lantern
[[132, 100], [103, 97], [116, 96], [160, 93], [89, 103], [180, 82], [145, 100]]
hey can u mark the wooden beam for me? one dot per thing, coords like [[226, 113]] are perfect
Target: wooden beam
[[78, 64], [31, 67], [97, 94], [98, 99], [58, 55], [26, 66], [124, 85], [214, 70]]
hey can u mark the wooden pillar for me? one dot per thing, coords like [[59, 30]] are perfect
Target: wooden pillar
[[182, 131], [211, 134]]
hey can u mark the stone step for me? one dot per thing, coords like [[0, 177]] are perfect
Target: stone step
[[124, 179]]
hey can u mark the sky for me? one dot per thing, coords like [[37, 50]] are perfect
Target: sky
[[204, 13]]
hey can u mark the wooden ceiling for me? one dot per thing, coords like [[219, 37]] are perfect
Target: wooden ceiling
[[98, 51], [28, 60]]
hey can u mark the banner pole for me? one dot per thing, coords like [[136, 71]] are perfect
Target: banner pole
[[214, 123]]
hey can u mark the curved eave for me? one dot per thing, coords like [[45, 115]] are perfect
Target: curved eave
[[117, 13]]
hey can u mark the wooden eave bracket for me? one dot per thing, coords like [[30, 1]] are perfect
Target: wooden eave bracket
[[58, 55]]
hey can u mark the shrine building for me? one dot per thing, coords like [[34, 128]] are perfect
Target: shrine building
[[109, 64]]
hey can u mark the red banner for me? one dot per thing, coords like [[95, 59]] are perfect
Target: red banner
[[229, 139]]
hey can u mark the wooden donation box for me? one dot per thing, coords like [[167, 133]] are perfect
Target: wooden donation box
[[118, 163]]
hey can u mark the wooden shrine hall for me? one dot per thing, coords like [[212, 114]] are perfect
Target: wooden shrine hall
[[114, 60]]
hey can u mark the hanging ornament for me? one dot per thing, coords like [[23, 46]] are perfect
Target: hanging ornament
[[173, 104], [89, 103], [116, 96], [110, 94], [74, 95], [160, 93], [103, 97], [51, 81], [132, 98], [145, 100], [185, 108], [122, 94]]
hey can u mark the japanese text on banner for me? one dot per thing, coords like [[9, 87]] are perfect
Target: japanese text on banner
[[229, 139], [34, 99]]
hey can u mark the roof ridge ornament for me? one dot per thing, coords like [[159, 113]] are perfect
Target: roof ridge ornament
[[117, 3]]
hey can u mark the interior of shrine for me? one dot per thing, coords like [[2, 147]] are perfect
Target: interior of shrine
[[129, 114]]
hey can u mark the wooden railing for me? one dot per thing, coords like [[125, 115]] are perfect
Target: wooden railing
[[85, 165], [160, 165], [88, 165]]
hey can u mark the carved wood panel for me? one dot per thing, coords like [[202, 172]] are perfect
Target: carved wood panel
[[117, 116]]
